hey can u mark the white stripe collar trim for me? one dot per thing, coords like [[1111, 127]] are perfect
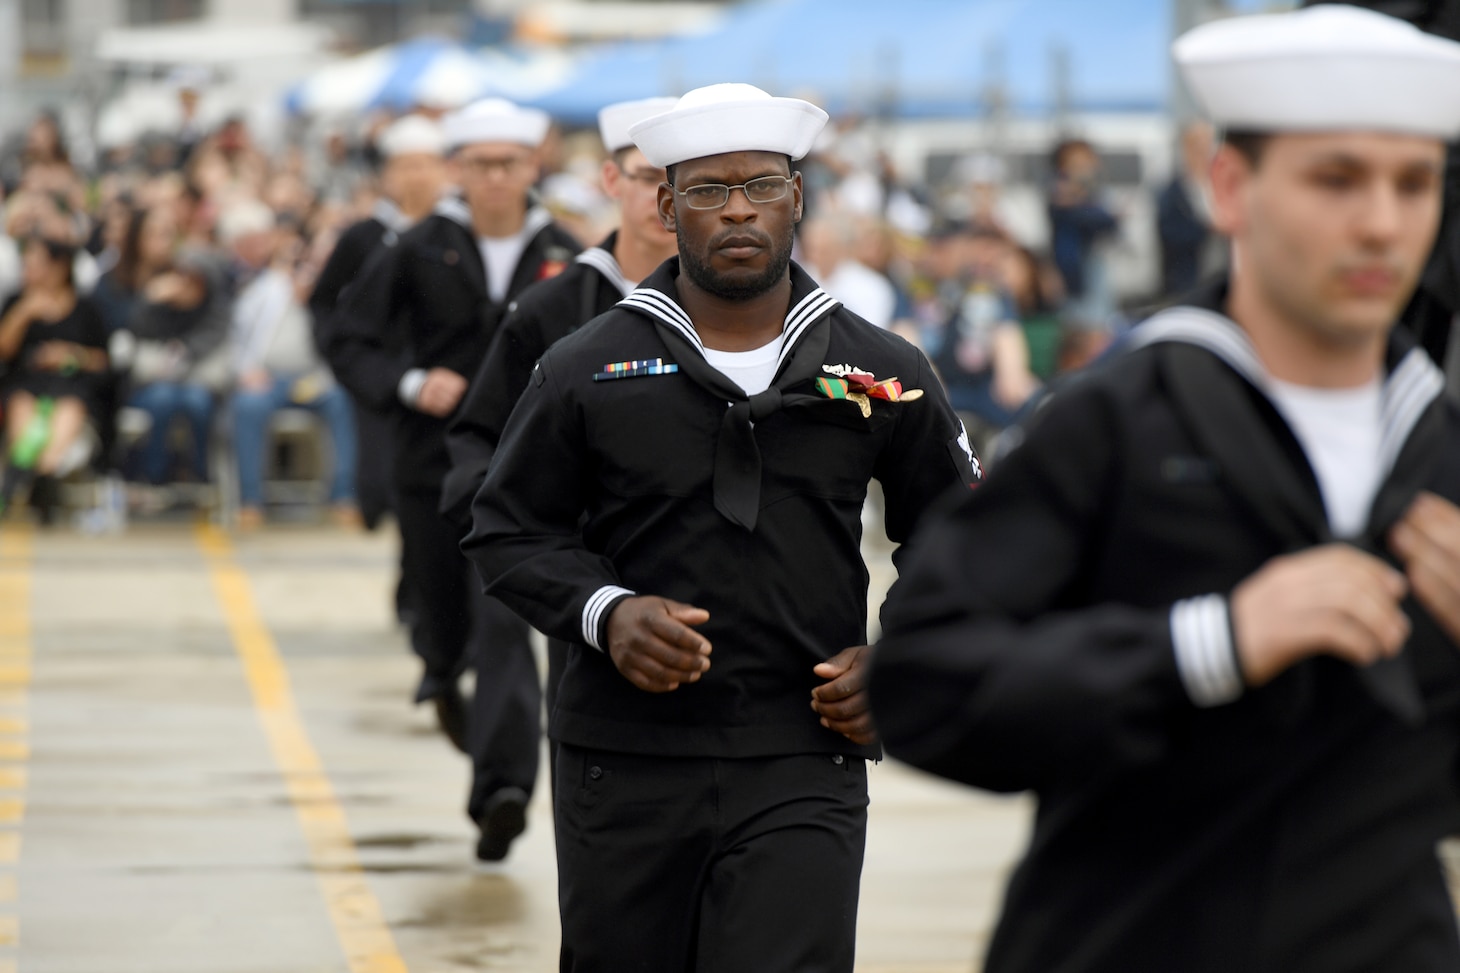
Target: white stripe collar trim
[[603, 262], [656, 303], [390, 215], [807, 312], [1408, 389], [454, 208]]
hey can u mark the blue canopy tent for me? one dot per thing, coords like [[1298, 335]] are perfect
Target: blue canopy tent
[[426, 70], [908, 58]]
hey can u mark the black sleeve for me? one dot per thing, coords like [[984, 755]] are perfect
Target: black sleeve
[[992, 670], [365, 360], [526, 540], [345, 261], [476, 429], [929, 455]]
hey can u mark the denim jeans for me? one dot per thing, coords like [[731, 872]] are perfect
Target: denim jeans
[[162, 401], [251, 413]]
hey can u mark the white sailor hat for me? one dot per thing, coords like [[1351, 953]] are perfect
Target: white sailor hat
[[724, 118], [412, 135], [1332, 67], [614, 120], [495, 120]]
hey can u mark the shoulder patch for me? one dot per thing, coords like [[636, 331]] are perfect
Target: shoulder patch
[[960, 450]]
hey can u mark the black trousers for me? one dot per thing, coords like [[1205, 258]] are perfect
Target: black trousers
[[374, 490], [454, 627], [701, 865]]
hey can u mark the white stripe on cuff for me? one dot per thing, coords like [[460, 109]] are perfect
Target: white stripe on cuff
[[410, 386], [1205, 656], [593, 611]]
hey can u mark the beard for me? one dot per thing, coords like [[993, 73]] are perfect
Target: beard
[[707, 279]]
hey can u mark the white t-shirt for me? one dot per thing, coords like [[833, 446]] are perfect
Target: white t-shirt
[[1340, 430], [752, 370], [501, 255]]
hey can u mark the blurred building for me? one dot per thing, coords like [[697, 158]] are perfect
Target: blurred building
[[73, 56]]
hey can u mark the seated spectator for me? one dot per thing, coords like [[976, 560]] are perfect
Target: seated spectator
[[983, 357], [1037, 291], [55, 343], [276, 361], [178, 323]]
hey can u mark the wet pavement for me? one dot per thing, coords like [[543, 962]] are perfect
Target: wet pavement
[[209, 764]]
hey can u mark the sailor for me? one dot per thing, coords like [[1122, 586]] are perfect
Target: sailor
[[411, 180], [410, 333], [598, 278], [1219, 640], [678, 494]]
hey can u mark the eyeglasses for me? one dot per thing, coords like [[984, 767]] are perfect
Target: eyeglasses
[[713, 195], [649, 177]]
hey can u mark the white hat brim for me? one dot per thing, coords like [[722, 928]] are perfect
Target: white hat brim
[[787, 126], [1330, 67], [614, 120], [510, 123]]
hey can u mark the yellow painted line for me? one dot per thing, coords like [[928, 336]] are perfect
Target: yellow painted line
[[17, 542], [359, 922], [17, 549]]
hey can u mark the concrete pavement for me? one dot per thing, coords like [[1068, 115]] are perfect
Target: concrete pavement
[[209, 764]]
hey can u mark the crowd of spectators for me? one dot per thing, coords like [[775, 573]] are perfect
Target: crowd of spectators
[[154, 308]]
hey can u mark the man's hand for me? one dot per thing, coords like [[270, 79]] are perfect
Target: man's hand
[[651, 642], [1427, 541], [842, 703], [1331, 600], [441, 392]]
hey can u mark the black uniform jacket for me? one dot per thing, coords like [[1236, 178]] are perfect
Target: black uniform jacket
[[1289, 829], [604, 483], [352, 251], [542, 314], [421, 302]]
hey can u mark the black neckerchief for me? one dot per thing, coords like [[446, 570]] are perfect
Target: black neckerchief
[[804, 341], [1202, 350]]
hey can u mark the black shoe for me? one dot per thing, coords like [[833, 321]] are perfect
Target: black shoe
[[504, 819], [451, 715]]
